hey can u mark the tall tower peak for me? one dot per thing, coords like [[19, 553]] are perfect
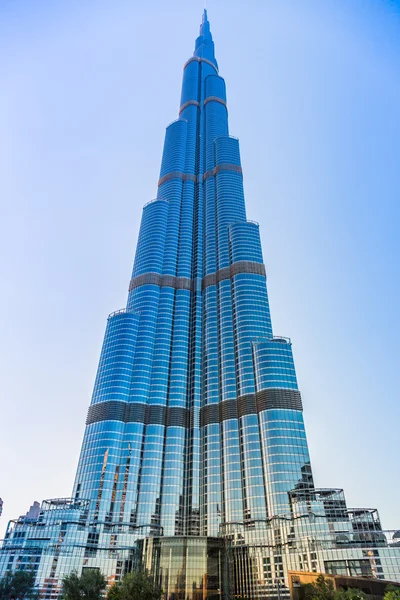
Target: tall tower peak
[[204, 44], [205, 26]]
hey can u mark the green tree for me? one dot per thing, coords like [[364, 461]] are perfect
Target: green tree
[[320, 589], [323, 589], [18, 584], [392, 593], [93, 584], [114, 592], [137, 585], [71, 587], [88, 586], [350, 594]]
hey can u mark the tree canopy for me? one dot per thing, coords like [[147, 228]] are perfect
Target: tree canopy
[[137, 585], [18, 584], [392, 593], [323, 589], [88, 586], [350, 594], [320, 589]]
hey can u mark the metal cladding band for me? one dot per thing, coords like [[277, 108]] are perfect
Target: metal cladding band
[[209, 280], [189, 103], [222, 167], [177, 175], [251, 404], [246, 405], [228, 167], [191, 177], [214, 99], [199, 59], [237, 268], [278, 398], [184, 283], [155, 414], [134, 412], [179, 283], [178, 416], [222, 274], [228, 410], [209, 414], [247, 266]]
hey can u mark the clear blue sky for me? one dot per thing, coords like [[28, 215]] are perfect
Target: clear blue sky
[[314, 96]]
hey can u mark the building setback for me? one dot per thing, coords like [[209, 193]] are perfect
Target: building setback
[[195, 458]]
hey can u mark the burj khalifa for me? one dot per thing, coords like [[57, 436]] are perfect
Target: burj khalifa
[[195, 460]]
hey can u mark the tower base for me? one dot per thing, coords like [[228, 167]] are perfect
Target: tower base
[[193, 568]]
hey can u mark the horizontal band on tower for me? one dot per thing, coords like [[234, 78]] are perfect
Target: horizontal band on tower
[[223, 167], [278, 398], [135, 412], [185, 283], [189, 103], [177, 416], [190, 177], [251, 404], [214, 99], [178, 283], [177, 175], [206, 101], [200, 59], [237, 268], [247, 266]]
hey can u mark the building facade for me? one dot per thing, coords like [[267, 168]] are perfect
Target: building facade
[[195, 443]]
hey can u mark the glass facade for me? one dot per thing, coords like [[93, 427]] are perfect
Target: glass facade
[[195, 449], [187, 568]]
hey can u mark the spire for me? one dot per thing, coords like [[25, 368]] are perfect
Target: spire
[[204, 43], [205, 25]]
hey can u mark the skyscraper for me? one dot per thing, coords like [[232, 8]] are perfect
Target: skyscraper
[[195, 456]]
